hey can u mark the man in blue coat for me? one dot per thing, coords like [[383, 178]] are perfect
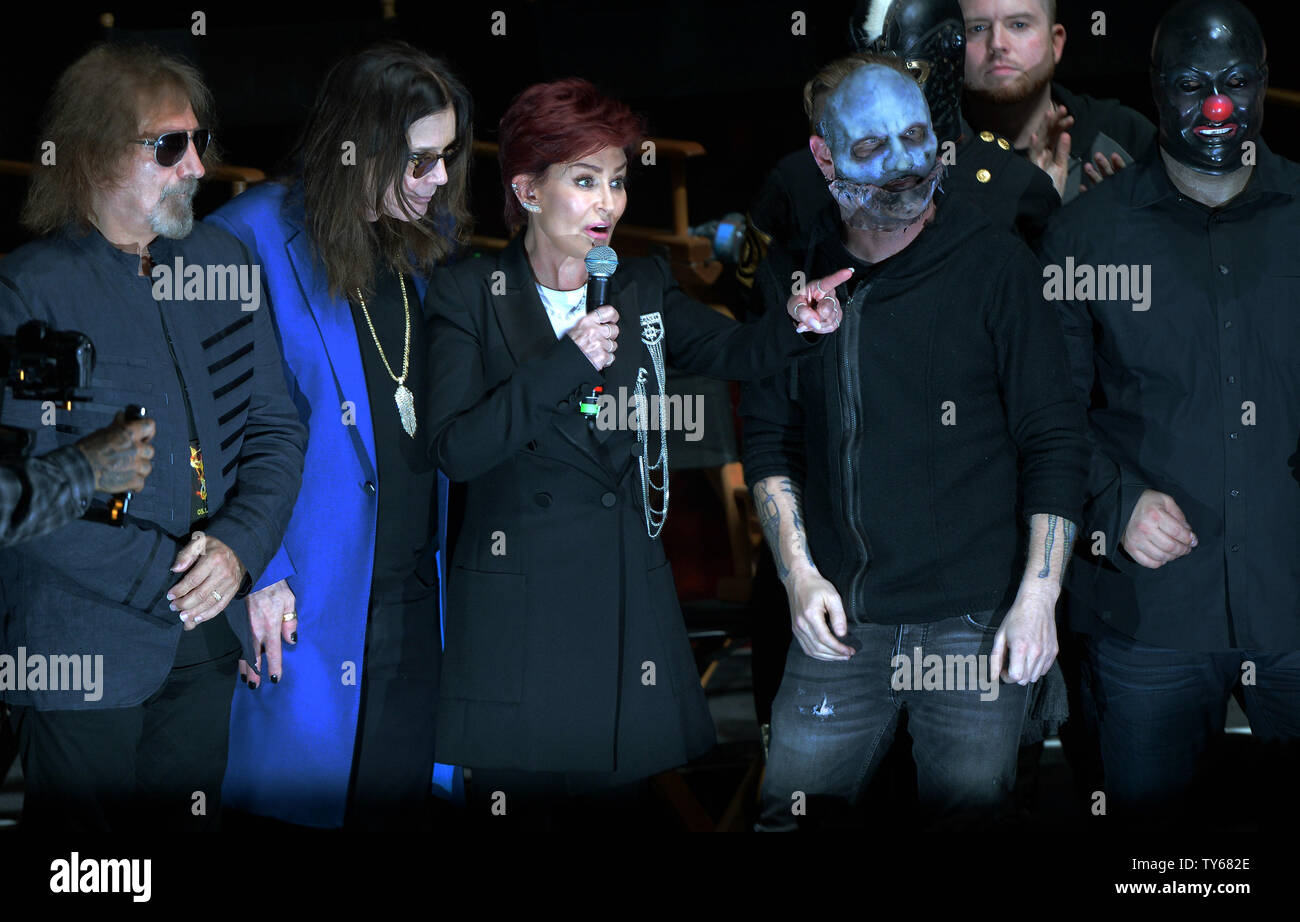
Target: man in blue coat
[[343, 734]]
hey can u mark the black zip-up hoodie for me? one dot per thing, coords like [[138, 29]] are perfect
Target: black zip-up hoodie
[[930, 426]]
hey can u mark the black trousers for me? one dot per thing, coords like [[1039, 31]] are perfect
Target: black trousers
[[392, 764], [156, 766]]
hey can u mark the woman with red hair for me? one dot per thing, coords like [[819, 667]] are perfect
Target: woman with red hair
[[568, 674]]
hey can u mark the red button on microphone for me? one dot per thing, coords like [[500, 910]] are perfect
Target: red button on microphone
[[1217, 108]]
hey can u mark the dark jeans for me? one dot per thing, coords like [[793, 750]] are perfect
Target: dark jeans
[[833, 722], [134, 768], [1161, 714]]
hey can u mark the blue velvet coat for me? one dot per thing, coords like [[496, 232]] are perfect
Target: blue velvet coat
[[291, 743]]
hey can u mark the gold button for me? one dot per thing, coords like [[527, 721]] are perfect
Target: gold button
[[1002, 143], [983, 175], [986, 136]]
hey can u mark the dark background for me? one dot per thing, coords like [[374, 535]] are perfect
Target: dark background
[[727, 74]]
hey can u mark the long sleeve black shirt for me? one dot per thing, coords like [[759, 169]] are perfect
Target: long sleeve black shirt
[[929, 427], [1197, 396]]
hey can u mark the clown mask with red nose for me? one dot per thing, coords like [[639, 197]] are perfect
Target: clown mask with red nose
[[1208, 75]]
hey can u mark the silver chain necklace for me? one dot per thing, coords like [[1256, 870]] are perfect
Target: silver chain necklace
[[652, 334]]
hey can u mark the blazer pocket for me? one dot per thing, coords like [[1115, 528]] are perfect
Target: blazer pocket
[[483, 659]]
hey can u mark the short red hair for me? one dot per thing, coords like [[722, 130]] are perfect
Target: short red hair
[[560, 122]]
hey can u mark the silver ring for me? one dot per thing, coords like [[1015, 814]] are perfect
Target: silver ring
[[216, 595]]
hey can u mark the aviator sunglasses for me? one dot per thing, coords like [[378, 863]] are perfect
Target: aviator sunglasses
[[170, 147]]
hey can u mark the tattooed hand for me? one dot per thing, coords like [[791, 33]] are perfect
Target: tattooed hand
[[120, 455]]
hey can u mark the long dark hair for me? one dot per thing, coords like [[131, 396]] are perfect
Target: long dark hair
[[366, 105]]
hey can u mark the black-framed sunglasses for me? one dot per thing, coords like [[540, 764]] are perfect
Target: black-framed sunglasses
[[170, 147], [425, 161]]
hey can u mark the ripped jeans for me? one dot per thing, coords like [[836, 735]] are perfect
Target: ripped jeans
[[833, 722]]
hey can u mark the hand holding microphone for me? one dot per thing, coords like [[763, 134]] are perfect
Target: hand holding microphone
[[597, 333], [597, 336]]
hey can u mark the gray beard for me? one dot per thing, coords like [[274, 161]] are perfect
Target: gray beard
[[173, 216], [864, 206]]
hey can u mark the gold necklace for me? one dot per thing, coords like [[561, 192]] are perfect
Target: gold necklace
[[405, 402]]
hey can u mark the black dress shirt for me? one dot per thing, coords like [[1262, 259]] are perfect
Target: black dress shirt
[[1196, 396]]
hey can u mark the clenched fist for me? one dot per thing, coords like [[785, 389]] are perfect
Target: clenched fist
[[1157, 531]]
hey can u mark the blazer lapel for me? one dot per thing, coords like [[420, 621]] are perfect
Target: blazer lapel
[[333, 318], [519, 311]]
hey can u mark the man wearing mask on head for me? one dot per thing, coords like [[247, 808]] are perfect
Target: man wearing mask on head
[[927, 36], [1188, 582], [1012, 49], [894, 529]]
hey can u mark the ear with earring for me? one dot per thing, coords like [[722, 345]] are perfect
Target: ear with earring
[[528, 206]]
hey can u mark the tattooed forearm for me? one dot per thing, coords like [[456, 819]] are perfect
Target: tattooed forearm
[[1056, 554], [1047, 548], [779, 503], [1071, 531], [769, 519]]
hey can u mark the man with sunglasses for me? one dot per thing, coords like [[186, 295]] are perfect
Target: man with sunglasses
[[158, 601], [346, 249]]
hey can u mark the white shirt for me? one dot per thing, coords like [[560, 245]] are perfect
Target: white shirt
[[563, 308]]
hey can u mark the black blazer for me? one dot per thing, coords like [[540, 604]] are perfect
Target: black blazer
[[555, 588]]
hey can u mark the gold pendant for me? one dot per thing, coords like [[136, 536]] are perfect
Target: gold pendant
[[405, 409]]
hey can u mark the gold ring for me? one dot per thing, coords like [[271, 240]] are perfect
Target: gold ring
[[290, 616]]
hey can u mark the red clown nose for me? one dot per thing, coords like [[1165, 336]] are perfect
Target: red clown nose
[[1217, 108]]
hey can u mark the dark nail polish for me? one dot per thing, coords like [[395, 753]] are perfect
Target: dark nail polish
[[252, 686], [275, 678], [244, 679], [293, 638]]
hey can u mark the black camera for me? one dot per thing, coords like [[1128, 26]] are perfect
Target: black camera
[[44, 364], [56, 365]]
